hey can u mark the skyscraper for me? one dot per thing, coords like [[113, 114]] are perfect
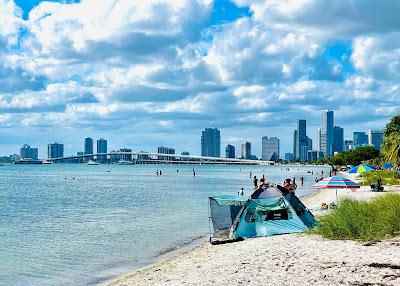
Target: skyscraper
[[375, 138], [55, 150], [101, 146], [246, 151], [309, 144], [294, 145], [230, 151], [360, 138], [211, 142], [318, 139], [165, 150], [338, 139], [29, 153], [289, 157], [301, 140], [270, 148], [88, 148], [326, 139]]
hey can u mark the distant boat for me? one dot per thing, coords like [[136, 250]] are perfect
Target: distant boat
[[28, 161], [46, 162], [91, 163], [125, 162]]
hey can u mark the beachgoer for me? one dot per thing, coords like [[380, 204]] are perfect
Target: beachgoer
[[241, 192], [194, 173], [289, 186], [262, 184], [302, 181], [294, 183], [160, 173], [250, 175], [255, 182]]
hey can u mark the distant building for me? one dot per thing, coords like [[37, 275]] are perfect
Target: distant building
[[289, 157], [79, 153], [319, 139], [230, 151], [88, 146], [309, 144], [185, 153], [270, 148], [294, 145], [126, 157], [29, 153], [165, 150], [55, 150], [301, 140], [349, 145], [338, 139], [375, 138], [15, 157], [312, 155], [246, 150], [211, 142], [360, 138], [326, 138], [101, 148]]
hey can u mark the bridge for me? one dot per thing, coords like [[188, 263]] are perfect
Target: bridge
[[155, 158]]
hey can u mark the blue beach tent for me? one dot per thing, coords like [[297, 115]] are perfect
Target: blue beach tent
[[266, 212]]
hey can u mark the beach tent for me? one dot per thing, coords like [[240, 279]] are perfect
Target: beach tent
[[266, 212], [388, 166], [360, 169]]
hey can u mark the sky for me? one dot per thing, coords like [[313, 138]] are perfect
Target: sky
[[148, 73]]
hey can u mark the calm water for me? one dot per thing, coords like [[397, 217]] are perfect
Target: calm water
[[56, 230]]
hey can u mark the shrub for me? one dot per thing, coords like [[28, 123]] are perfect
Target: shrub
[[364, 221]]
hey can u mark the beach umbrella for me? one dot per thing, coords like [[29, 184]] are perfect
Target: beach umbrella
[[387, 166], [336, 183], [360, 169]]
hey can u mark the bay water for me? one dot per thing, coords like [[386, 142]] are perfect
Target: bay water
[[72, 224]]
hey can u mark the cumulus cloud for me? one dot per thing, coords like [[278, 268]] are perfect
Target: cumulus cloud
[[161, 66]]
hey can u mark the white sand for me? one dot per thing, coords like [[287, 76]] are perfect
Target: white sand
[[295, 259]]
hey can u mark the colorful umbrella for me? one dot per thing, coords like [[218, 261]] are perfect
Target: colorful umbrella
[[387, 166], [360, 169], [336, 183]]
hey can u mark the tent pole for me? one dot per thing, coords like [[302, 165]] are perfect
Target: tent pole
[[209, 219]]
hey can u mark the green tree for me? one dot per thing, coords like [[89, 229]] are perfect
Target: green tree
[[393, 126], [391, 148]]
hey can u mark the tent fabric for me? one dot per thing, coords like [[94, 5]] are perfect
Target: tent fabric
[[267, 212]]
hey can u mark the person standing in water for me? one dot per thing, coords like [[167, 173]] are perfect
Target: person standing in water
[[255, 182], [302, 181], [241, 192]]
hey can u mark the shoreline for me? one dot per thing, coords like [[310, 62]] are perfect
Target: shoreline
[[176, 268]]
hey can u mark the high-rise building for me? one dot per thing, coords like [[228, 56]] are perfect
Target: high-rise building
[[165, 150], [338, 139], [211, 142], [126, 157], [360, 138], [309, 144], [375, 138], [326, 139], [29, 153], [319, 139], [102, 148], [301, 140], [88, 148], [312, 155], [270, 148], [55, 150], [294, 145], [289, 157], [246, 150], [230, 151]]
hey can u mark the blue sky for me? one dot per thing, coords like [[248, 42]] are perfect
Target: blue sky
[[150, 73]]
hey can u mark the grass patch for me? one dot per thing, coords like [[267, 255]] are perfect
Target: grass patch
[[363, 221], [388, 178]]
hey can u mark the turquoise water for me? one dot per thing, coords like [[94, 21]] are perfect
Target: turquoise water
[[72, 224]]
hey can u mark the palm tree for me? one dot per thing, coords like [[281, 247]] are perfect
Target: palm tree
[[391, 148]]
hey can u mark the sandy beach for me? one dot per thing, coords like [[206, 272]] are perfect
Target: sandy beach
[[294, 259]]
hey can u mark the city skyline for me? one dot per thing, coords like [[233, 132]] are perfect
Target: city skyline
[[146, 80]]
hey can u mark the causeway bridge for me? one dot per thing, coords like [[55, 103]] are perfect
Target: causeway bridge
[[155, 158]]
